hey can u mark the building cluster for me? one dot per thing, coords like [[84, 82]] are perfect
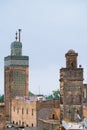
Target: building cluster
[[22, 110]]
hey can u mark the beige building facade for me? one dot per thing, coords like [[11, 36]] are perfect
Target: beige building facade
[[24, 113], [27, 113]]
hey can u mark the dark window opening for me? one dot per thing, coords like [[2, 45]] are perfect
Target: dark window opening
[[32, 112], [53, 116], [22, 111], [16, 123], [20, 122], [17, 110], [26, 125], [14, 109], [27, 111], [32, 124], [23, 123], [72, 64]]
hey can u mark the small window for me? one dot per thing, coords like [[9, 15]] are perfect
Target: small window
[[32, 112], [16, 123], [14, 109], [27, 111], [72, 64], [32, 124], [53, 116], [22, 111], [23, 123], [19, 122], [17, 110]]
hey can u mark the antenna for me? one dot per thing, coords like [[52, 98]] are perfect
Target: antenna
[[19, 34]]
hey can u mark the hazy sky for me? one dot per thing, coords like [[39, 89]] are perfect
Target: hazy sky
[[49, 29]]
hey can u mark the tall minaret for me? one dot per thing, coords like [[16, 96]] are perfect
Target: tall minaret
[[15, 75], [71, 85]]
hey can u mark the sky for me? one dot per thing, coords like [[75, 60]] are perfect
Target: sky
[[49, 29]]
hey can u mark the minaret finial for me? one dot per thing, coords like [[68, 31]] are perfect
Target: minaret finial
[[16, 36], [19, 34]]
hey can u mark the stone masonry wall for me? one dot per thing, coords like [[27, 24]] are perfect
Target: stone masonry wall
[[2, 116]]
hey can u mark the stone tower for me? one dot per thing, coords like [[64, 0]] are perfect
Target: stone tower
[[15, 75], [71, 85]]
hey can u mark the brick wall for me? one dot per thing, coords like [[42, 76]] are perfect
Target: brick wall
[[48, 125]]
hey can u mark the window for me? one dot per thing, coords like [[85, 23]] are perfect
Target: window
[[32, 124], [32, 112], [72, 64], [14, 109], [23, 123], [53, 116], [17, 110], [22, 111], [19, 122], [27, 111], [16, 123]]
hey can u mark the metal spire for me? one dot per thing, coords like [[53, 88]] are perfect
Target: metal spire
[[19, 34], [16, 36]]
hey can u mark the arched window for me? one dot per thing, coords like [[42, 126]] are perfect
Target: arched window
[[72, 64]]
